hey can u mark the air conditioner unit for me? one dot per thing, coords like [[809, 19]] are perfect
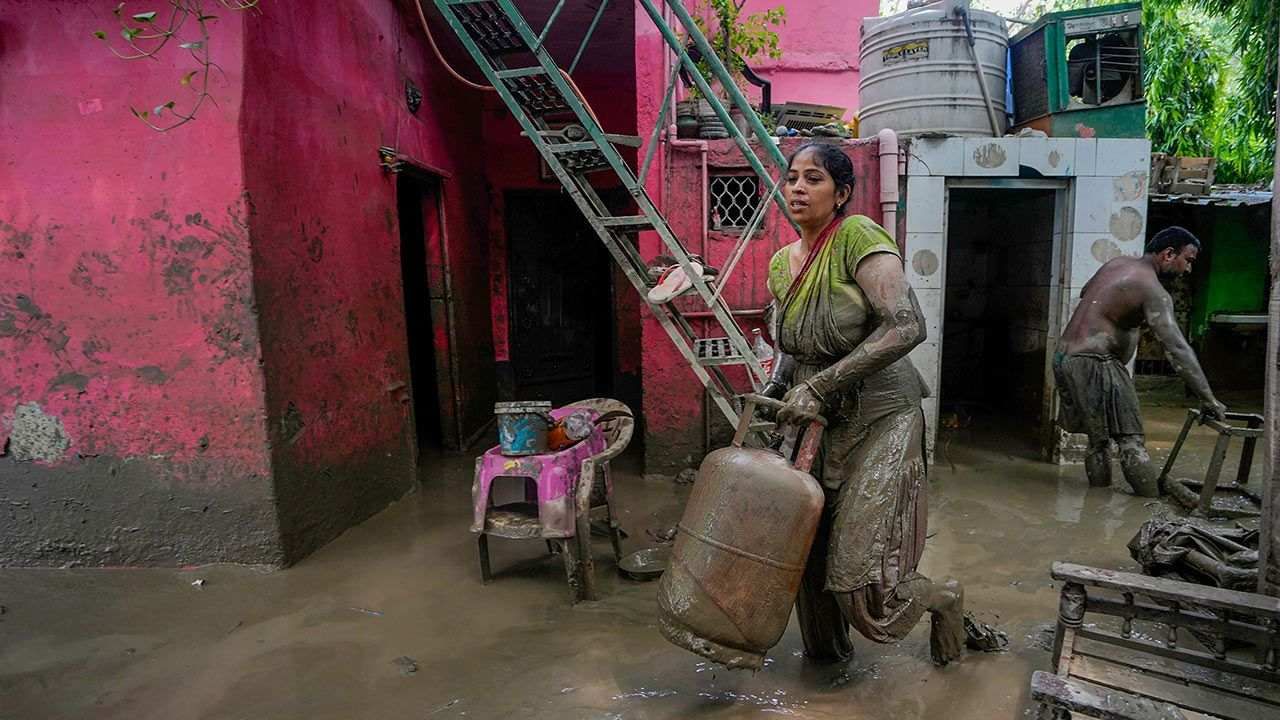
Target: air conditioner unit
[[1079, 73]]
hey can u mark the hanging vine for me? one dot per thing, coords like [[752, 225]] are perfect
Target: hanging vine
[[182, 22]]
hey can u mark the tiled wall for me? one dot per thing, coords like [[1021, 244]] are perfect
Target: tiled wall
[[1105, 209]]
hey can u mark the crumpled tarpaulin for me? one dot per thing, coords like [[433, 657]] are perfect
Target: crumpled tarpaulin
[[1223, 557]]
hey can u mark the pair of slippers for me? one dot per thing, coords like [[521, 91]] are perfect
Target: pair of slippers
[[671, 281]]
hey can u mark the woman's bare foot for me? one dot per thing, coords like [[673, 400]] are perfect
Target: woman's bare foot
[[946, 609]]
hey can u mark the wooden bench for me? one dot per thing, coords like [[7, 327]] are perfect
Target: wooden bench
[[1133, 647]]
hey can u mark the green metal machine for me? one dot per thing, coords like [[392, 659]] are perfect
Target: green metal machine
[[1078, 73]]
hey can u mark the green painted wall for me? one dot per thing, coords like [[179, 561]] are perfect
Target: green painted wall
[[1114, 121], [1236, 278]]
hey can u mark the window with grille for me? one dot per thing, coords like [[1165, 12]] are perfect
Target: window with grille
[[734, 199]]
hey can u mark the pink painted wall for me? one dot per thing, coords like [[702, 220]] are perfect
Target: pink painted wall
[[819, 41], [323, 90], [129, 390], [203, 354]]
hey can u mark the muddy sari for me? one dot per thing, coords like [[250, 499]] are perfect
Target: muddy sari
[[871, 464]]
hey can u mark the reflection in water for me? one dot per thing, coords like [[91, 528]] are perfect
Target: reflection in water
[[115, 644]]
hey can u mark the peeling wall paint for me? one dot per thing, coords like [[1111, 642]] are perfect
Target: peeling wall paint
[[202, 342], [128, 336], [36, 436], [327, 251]]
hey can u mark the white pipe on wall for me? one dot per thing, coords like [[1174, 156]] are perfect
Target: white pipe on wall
[[889, 181]]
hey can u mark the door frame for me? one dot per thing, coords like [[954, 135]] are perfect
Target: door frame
[[439, 274], [1059, 294]]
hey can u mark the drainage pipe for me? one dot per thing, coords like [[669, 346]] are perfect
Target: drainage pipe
[[889, 181], [703, 200]]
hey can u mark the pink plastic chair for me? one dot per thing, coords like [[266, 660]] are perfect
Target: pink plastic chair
[[567, 486]]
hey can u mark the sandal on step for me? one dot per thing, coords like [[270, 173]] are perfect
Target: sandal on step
[[674, 282]]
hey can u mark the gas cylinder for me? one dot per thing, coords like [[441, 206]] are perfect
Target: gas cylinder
[[741, 548]]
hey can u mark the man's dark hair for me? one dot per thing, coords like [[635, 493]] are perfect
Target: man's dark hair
[[1174, 238]]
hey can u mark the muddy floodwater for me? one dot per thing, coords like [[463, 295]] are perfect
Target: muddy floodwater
[[391, 621]]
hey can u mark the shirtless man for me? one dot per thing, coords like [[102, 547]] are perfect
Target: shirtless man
[[1097, 393]]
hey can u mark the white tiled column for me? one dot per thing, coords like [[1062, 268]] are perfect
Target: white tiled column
[[926, 269]]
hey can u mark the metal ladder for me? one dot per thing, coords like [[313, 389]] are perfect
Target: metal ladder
[[494, 32]]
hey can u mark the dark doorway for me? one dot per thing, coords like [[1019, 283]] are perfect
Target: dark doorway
[[420, 237], [561, 308], [996, 319]]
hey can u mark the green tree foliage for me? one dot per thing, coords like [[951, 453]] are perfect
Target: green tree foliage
[[1181, 82], [745, 37], [1229, 45]]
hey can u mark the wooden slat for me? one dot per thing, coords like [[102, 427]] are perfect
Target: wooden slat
[[1247, 632], [1262, 690], [1184, 654], [1079, 696], [1182, 592], [1124, 679]]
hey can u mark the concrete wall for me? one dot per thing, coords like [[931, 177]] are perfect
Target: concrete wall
[[130, 396], [323, 90]]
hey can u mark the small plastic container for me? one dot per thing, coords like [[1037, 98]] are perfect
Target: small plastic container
[[522, 426]]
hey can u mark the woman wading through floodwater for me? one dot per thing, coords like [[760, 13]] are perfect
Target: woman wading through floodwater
[[846, 320]]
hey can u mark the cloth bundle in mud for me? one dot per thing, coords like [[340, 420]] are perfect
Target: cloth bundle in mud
[[741, 548], [1222, 557]]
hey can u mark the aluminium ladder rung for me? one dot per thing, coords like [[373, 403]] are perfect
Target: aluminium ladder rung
[[520, 72], [624, 221], [579, 157], [536, 94], [490, 27], [572, 147], [716, 351]]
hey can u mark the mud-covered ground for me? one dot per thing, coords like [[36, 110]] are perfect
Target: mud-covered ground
[[391, 621]]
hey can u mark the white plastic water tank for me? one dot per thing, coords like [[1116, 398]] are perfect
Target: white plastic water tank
[[919, 77]]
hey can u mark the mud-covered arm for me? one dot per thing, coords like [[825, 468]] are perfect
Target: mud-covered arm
[[900, 325], [900, 328], [1160, 316]]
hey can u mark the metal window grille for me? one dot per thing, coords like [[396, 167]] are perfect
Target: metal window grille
[[734, 199]]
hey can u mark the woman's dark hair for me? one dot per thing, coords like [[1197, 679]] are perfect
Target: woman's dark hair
[[1171, 238], [835, 162]]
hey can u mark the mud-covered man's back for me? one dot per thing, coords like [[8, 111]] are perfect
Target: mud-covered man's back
[[1098, 396]]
